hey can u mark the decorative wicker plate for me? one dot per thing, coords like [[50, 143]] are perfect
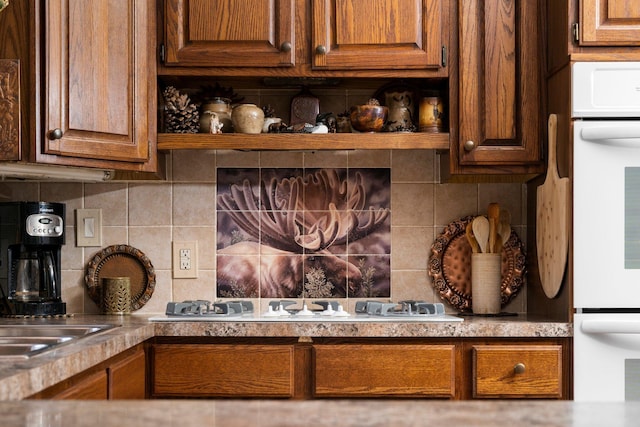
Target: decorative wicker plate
[[121, 261], [450, 266]]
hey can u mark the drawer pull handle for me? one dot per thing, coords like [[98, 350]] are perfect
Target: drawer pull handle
[[321, 49], [519, 368]]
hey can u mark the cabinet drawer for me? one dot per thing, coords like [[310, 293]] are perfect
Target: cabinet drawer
[[517, 371], [221, 370], [384, 370]]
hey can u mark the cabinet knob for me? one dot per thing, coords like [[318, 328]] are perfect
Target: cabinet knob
[[519, 368], [321, 49], [285, 47], [469, 145], [55, 134]]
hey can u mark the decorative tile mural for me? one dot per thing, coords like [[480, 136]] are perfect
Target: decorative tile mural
[[312, 233]]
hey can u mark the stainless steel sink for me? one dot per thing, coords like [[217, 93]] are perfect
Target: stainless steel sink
[[25, 341], [51, 330]]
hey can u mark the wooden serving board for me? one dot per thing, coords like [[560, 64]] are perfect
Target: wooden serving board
[[552, 221]]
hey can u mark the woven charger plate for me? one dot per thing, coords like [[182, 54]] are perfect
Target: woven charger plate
[[121, 261], [450, 266]]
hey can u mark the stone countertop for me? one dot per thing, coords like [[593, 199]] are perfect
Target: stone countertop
[[472, 327], [318, 413], [22, 378]]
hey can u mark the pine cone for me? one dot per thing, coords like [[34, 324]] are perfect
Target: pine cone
[[181, 116]]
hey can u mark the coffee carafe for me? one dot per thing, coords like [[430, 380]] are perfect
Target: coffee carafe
[[31, 238], [35, 276]]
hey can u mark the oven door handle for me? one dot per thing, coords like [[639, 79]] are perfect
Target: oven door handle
[[609, 326], [601, 133]]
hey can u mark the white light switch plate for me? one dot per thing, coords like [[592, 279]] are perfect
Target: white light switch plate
[[185, 260], [88, 227]]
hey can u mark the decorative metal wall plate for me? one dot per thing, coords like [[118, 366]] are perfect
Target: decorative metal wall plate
[[121, 261], [450, 266]]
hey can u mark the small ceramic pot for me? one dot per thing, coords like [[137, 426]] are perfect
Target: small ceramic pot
[[368, 118], [247, 118], [222, 108]]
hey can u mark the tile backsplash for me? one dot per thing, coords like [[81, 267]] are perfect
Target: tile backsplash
[[303, 233], [150, 215]]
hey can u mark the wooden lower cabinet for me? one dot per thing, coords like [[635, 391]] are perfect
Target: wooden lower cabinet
[[222, 370], [520, 371], [121, 377], [464, 368], [367, 370]]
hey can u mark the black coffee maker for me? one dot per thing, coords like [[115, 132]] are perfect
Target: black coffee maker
[[31, 239]]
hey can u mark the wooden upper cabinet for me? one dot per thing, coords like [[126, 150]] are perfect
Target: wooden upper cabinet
[[229, 33], [610, 22], [499, 93], [99, 83], [380, 34]]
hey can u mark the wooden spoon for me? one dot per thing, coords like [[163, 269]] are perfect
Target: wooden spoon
[[481, 231], [504, 227], [475, 248], [493, 213]]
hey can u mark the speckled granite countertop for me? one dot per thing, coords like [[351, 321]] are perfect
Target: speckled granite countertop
[[318, 413], [508, 326], [22, 378]]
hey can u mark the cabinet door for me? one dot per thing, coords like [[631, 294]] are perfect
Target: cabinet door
[[229, 33], [90, 387], [521, 371], [380, 34], [353, 370], [127, 379], [610, 22], [499, 87], [99, 81], [221, 370]]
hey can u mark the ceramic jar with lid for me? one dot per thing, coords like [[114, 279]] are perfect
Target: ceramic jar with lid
[[247, 118], [222, 108], [401, 110]]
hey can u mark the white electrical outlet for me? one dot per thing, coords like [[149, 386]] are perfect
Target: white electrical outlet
[[185, 260]]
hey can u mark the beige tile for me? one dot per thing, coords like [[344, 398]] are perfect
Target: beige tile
[[326, 159], [162, 293], [115, 235], [111, 198], [206, 238], [453, 201], [410, 247], [369, 159], [237, 159], [69, 193], [73, 291], [412, 204], [155, 242], [19, 191], [281, 159], [194, 204], [194, 165], [412, 285], [509, 196], [202, 287], [149, 204], [413, 166], [71, 254]]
